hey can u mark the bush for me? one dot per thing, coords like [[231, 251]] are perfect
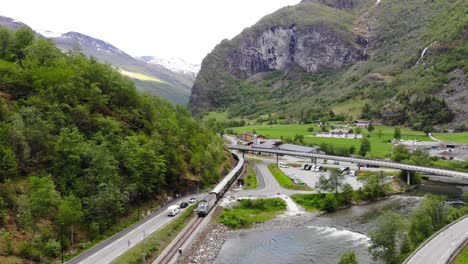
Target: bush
[[52, 248], [329, 203], [29, 251]]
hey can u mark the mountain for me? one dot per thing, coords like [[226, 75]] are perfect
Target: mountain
[[156, 79], [396, 62], [174, 64]]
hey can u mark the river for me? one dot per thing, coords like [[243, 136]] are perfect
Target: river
[[324, 239]]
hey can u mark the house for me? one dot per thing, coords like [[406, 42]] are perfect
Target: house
[[363, 123], [249, 136]]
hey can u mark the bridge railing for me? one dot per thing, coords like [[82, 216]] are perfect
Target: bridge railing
[[401, 166]]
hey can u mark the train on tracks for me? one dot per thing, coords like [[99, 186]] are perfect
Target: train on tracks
[[208, 202]]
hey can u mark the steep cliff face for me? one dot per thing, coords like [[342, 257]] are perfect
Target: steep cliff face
[[292, 39], [282, 48]]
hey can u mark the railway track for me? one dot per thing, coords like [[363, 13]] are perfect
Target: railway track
[[180, 240]]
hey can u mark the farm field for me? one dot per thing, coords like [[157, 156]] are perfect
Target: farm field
[[452, 137], [380, 138]]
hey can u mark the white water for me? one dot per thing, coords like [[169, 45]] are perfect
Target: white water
[[336, 232], [378, 1], [424, 52]]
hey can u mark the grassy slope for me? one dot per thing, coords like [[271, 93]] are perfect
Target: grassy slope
[[462, 257], [284, 181]]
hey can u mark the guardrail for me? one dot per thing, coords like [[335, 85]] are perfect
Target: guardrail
[[453, 254], [443, 172]]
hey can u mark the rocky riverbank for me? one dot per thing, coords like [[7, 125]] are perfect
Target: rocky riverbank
[[208, 244], [206, 247]]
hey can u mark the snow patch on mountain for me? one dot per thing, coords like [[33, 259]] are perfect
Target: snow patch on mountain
[[48, 34], [173, 64]]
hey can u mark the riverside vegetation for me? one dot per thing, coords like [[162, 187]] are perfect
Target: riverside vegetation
[[251, 211], [81, 148]]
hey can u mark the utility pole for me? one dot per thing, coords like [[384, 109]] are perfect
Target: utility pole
[[408, 178]]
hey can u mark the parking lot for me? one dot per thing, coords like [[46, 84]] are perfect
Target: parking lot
[[311, 177]]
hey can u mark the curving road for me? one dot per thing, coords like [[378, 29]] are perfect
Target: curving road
[[440, 248]]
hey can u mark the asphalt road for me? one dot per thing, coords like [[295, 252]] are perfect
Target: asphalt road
[[439, 249], [111, 248]]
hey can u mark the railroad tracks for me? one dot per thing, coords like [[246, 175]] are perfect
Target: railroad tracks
[[173, 249]]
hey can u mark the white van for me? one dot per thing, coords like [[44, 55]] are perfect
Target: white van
[[173, 210], [283, 165]]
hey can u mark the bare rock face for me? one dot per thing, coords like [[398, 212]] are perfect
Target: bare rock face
[[282, 48]]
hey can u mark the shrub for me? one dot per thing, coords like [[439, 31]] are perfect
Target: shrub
[[329, 203], [52, 248]]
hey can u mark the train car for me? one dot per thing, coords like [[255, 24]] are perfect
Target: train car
[[223, 186], [206, 204]]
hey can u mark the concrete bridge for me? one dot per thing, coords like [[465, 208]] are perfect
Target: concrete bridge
[[459, 176]]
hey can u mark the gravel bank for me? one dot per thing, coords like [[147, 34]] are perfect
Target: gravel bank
[[208, 244]]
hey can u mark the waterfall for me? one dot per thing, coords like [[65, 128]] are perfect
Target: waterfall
[[424, 52]]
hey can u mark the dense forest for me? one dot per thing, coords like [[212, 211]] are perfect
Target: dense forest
[[80, 147]]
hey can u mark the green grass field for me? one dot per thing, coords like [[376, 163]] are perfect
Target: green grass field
[[284, 181], [250, 181], [379, 137], [452, 137]]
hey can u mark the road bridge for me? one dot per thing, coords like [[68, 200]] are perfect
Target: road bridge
[[458, 175]]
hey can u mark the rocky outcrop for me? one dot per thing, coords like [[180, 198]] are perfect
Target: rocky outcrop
[[283, 48]]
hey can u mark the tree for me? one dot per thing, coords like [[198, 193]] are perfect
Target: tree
[[365, 146], [347, 193], [370, 128], [42, 199], [397, 133], [70, 213], [384, 238], [348, 258], [352, 149], [332, 184], [400, 153], [372, 188], [8, 165]]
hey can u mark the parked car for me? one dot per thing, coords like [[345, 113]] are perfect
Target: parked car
[[283, 165], [192, 200], [336, 162], [303, 167], [343, 169], [309, 167], [183, 204]]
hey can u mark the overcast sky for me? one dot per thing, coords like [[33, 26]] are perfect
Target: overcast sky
[[188, 29]]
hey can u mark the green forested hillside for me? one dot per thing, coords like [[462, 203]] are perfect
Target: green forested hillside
[[390, 83], [80, 147]]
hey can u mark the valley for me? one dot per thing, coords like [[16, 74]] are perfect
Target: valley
[[328, 131]]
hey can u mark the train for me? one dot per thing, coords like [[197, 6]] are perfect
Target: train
[[208, 202]]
